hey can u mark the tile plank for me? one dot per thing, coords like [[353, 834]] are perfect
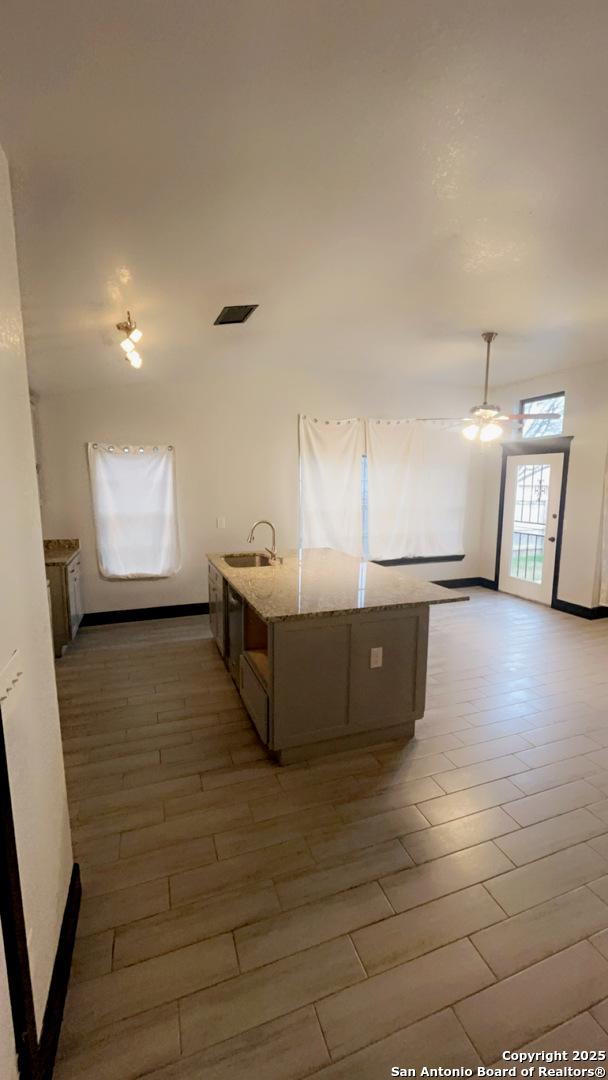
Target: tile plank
[[293, 931], [385, 1003], [249, 1000], [409, 888], [525, 1005], [403, 937], [540, 931]]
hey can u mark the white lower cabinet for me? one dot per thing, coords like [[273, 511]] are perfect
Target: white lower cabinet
[[66, 600]]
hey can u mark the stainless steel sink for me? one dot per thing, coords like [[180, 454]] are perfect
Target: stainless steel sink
[[254, 559]]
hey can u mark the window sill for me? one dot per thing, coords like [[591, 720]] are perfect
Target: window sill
[[415, 559]]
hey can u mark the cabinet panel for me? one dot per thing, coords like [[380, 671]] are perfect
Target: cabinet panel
[[74, 597], [56, 576], [255, 698], [216, 608], [310, 665], [389, 693], [235, 631]]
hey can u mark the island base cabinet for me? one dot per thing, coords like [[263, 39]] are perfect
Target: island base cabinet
[[255, 698], [347, 680]]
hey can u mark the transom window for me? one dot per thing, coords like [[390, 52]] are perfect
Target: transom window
[[536, 428]]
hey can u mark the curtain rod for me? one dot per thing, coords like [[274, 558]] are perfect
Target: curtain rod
[[373, 420]]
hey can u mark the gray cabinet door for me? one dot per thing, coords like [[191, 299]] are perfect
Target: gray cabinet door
[[216, 608], [310, 666], [74, 596], [394, 691]]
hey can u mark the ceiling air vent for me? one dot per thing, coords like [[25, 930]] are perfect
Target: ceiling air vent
[[234, 313]]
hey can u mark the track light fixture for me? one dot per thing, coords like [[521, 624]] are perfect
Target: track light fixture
[[132, 335]]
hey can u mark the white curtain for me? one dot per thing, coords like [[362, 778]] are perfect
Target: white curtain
[[417, 481], [331, 453], [134, 507]]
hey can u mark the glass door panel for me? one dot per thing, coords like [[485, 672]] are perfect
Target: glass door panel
[[530, 520]]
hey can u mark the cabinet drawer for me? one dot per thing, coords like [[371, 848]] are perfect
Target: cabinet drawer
[[255, 698]]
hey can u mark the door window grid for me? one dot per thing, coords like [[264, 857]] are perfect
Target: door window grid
[[530, 520]]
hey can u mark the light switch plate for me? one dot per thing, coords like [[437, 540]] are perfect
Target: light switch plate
[[220, 522], [375, 657]]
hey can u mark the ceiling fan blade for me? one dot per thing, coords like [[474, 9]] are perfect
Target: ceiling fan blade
[[531, 416]]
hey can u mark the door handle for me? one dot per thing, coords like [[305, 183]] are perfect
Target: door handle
[[551, 539]]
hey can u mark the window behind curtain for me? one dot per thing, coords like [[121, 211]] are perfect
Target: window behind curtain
[[330, 483], [417, 484], [553, 403], [134, 507], [382, 489]]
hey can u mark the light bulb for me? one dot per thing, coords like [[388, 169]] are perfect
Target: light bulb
[[136, 335], [134, 359], [127, 344], [471, 431], [489, 432]]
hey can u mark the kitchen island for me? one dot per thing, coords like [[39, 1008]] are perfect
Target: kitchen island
[[328, 651]]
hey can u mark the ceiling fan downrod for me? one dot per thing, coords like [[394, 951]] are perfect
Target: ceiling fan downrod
[[488, 336]]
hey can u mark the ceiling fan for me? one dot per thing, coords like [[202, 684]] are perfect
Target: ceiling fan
[[485, 420]]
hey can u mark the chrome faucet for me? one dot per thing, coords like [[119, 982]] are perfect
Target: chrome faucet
[[272, 551]]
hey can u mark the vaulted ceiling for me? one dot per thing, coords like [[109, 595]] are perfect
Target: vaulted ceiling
[[385, 178]]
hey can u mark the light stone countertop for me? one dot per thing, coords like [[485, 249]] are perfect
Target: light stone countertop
[[321, 581], [60, 552]]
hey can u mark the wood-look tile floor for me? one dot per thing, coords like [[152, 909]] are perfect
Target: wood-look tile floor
[[431, 903]]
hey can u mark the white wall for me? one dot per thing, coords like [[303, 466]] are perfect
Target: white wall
[[235, 434], [586, 419], [32, 726]]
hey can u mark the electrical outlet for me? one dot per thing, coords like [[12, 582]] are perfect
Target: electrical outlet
[[220, 523], [375, 657]]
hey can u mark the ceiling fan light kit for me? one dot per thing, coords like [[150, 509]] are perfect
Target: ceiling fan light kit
[[486, 420], [484, 416]]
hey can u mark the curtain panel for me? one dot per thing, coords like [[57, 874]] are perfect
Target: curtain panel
[[331, 454], [386, 489], [417, 480], [134, 508]]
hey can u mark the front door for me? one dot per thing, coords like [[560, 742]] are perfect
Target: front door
[[530, 523]]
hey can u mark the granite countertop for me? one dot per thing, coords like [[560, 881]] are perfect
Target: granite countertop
[[321, 581], [60, 552]]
